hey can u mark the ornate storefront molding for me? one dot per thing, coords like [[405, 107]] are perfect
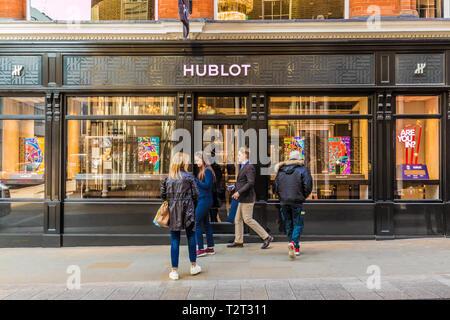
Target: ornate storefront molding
[[225, 30]]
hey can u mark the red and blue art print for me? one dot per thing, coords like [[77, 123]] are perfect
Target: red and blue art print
[[294, 144], [339, 154], [148, 151], [34, 155]]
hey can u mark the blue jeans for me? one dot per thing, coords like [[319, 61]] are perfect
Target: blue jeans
[[202, 218], [294, 219], [175, 246]]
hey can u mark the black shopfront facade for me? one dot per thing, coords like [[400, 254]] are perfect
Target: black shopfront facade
[[87, 130]]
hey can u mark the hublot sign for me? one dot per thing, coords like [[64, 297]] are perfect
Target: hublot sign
[[246, 71], [214, 70]]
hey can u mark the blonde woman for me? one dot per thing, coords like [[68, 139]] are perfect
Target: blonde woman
[[180, 191]]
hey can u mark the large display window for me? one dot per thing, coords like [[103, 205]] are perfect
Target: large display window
[[417, 148], [22, 164], [22, 147], [335, 150], [115, 158]]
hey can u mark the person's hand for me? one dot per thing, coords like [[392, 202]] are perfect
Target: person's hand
[[235, 196]]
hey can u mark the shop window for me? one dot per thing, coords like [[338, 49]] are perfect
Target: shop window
[[123, 10], [117, 158], [318, 105], [335, 150], [22, 147], [417, 150], [83, 10], [417, 105], [430, 8], [130, 106], [280, 9], [222, 105]]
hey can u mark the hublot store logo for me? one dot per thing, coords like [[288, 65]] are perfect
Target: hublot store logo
[[215, 70], [420, 68], [17, 71]]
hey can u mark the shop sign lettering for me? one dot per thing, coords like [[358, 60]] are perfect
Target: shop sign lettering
[[407, 137], [215, 70]]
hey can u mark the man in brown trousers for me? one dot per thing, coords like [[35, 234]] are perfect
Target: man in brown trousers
[[245, 193]]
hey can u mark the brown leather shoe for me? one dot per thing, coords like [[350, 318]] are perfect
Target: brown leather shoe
[[267, 242], [235, 245]]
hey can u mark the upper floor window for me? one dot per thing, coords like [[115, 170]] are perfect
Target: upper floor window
[[85, 10], [430, 8], [280, 9]]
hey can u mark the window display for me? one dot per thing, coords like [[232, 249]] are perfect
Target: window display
[[118, 158], [22, 147], [417, 149], [336, 152], [417, 159]]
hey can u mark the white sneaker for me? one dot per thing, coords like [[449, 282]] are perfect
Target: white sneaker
[[196, 270], [173, 275], [291, 248]]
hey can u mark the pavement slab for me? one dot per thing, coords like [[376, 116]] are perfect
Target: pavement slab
[[335, 270]]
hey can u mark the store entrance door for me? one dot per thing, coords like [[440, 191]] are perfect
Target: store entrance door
[[221, 143]]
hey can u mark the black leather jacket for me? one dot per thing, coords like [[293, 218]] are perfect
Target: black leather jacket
[[182, 196], [293, 183]]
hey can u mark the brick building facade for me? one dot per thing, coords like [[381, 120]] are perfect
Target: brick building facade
[[13, 9], [204, 9]]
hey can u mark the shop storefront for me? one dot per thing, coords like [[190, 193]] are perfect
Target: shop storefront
[[87, 134]]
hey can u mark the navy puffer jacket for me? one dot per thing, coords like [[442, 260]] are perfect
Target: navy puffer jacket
[[293, 182]]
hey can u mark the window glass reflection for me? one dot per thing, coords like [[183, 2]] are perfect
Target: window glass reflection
[[222, 105], [417, 159], [22, 158], [103, 106], [305, 105], [117, 158], [335, 151], [430, 8], [280, 9], [84, 10], [417, 105]]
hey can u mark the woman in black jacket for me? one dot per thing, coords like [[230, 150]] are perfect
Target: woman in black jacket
[[180, 191]]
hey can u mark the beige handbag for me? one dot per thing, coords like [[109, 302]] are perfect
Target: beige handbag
[[162, 216]]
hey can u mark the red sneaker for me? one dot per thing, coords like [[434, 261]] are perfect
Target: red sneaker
[[201, 253], [291, 247], [297, 252], [210, 251]]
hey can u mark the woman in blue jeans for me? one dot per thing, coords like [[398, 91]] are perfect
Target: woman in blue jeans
[[205, 181], [180, 191]]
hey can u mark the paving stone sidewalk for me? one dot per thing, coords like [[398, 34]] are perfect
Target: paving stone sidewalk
[[392, 288], [332, 270]]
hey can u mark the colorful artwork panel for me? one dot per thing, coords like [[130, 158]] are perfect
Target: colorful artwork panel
[[339, 155], [148, 150], [292, 144], [34, 154]]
